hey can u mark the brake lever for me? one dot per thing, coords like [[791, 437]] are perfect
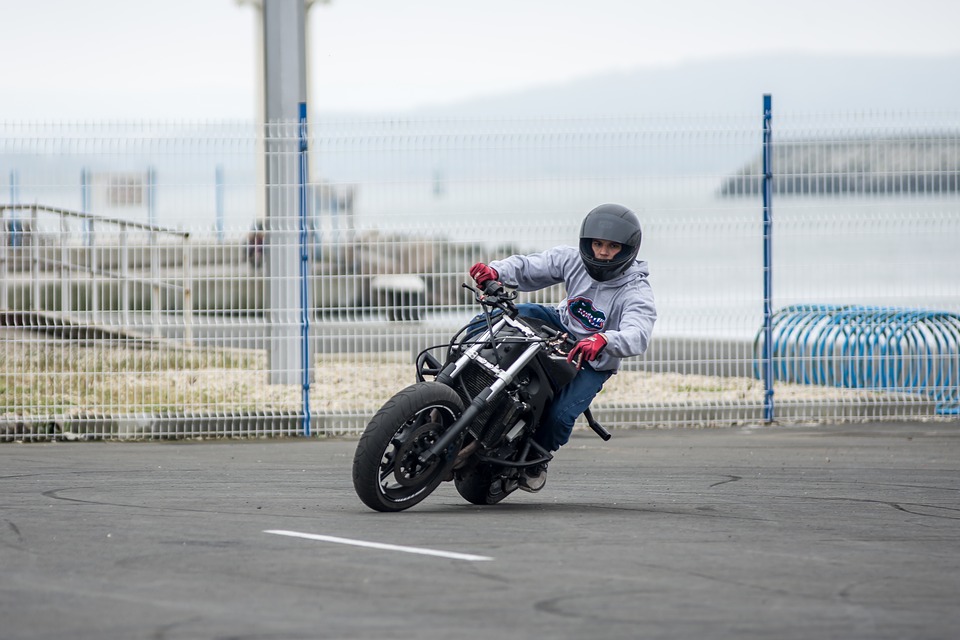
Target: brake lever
[[579, 360], [494, 290], [564, 339]]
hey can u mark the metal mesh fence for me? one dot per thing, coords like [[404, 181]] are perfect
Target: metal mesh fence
[[151, 282]]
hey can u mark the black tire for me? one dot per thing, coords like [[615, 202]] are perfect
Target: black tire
[[387, 474], [473, 485]]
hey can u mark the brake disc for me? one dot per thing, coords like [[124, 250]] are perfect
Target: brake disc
[[408, 470]]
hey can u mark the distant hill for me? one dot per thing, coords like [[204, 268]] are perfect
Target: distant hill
[[798, 83], [805, 85]]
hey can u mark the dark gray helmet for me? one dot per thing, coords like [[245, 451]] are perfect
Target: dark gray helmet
[[616, 223]]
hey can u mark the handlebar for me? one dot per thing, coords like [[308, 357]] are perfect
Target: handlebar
[[494, 294]]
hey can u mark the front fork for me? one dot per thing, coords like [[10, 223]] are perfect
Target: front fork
[[482, 399]]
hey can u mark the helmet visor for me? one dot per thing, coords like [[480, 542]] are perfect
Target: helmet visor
[[609, 227]]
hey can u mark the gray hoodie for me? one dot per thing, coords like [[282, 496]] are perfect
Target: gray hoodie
[[622, 308]]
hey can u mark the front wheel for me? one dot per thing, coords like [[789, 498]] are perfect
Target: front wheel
[[387, 472]]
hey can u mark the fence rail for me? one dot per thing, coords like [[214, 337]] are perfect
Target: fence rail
[[138, 290], [77, 278]]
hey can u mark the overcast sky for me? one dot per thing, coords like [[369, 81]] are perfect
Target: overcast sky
[[195, 59]]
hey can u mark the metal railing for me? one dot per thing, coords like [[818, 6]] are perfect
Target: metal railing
[[59, 271]]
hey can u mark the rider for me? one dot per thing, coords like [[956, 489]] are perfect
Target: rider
[[609, 310]]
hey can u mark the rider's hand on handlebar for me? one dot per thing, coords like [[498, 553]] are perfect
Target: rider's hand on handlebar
[[587, 349], [482, 274]]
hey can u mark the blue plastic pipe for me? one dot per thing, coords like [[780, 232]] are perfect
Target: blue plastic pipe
[[867, 347]]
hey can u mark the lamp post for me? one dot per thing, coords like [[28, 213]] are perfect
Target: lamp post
[[282, 96]]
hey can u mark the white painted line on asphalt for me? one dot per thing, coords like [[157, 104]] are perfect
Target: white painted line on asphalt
[[379, 545]]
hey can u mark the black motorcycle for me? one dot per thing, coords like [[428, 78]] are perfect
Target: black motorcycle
[[473, 422]]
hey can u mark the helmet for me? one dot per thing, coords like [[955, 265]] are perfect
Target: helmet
[[616, 223]]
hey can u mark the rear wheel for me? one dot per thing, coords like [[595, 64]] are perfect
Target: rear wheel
[[388, 474], [476, 485]]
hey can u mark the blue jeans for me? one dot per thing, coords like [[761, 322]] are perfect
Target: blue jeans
[[558, 419]]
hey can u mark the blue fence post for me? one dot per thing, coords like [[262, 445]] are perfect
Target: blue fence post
[[767, 261], [304, 298]]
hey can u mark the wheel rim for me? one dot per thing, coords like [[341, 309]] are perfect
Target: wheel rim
[[402, 476]]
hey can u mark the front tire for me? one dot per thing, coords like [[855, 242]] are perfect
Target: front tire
[[387, 472]]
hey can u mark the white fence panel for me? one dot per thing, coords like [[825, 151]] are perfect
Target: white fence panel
[[137, 263]]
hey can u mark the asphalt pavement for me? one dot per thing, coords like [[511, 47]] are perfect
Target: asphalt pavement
[[775, 532]]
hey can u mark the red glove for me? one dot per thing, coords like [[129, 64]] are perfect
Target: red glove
[[483, 274], [587, 349]]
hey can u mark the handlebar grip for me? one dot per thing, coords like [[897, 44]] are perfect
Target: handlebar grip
[[492, 287]]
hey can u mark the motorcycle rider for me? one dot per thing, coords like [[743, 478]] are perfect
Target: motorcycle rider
[[609, 309]]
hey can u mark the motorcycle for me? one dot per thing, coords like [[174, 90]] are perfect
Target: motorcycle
[[473, 421]]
